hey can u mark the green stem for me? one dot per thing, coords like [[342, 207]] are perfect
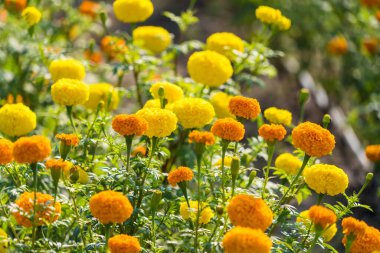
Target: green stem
[[128, 140], [138, 90], [78, 220], [224, 150], [69, 110], [267, 168], [33, 167], [312, 245], [108, 228], [199, 179], [350, 240], [302, 113]]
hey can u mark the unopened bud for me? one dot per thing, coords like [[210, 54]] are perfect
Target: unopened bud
[[326, 120], [156, 199], [303, 96], [235, 166], [252, 176], [74, 174], [103, 17], [369, 177], [220, 210]]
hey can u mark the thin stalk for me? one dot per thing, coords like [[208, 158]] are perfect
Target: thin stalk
[[199, 181], [69, 110], [138, 90], [267, 168], [224, 150], [128, 140], [108, 228], [33, 167]]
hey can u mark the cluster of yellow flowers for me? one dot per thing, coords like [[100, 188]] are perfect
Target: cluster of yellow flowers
[[271, 16]]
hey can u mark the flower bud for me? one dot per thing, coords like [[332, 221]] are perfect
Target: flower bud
[[235, 166], [252, 176], [326, 120], [303, 96], [369, 177], [156, 199], [220, 210], [74, 174]]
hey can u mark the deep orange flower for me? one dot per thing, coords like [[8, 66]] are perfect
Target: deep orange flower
[[322, 216], [228, 129], [6, 151], [58, 164], [139, 150], [89, 8], [31, 149], [370, 3], [180, 174], [373, 152], [94, 57], [71, 140], [15, 5], [129, 124], [337, 46], [370, 45], [113, 46], [378, 15], [205, 137], [248, 108], [123, 244], [272, 132]]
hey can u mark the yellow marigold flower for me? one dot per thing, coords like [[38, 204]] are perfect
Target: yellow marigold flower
[[337, 46], [113, 46], [326, 179], [31, 149], [313, 139], [67, 68], [205, 137], [129, 124], [328, 233], [132, 11], [322, 216], [45, 211], [247, 211], [31, 15], [228, 129], [124, 243], [139, 150], [110, 207], [58, 164], [288, 163], [6, 151], [161, 122], [373, 152], [268, 15], [102, 92], [17, 120], [89, 8], [227, 161], [172, 92], [220, 101], [153, 38], [3, 241], [153, 103], [278, 116], [272, 132], [193, 112], [70, 92], [225, 43], [284, 23], [209, 68], [191, 213], [71, 140], [248, 108], [180, 174], [15, 5], [246, 240]]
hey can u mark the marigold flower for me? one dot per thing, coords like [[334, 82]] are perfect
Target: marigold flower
[[370, 45], [139, 150], [246, 240], [67, 68], [313, 139], [46, 212], [322, 216], [193, 112], [71, 140], [370, 3], [153, 38], [31, 15], [153, 103], [102, 92], [373, 152], [132, 11], [70, 92], [326, 179], [6, 151], [113, 46], [129, 124], [31, 149], [278, 116], [191, 213], [337, 46], [180, 174], [15, 5], [228, 129], [89, 8], [227, 161], [205, 137], [248, 108], [161, 122], [17, 120], [328, 232], [172, 92], [284, 23], [377, 15], [58, 164], [221, 101], [225, 43], [3, 241], [288, 163], [268, 15], [124, 243], [247, 211], [110, 207], [272, 132], [209, 68], [94, 57]]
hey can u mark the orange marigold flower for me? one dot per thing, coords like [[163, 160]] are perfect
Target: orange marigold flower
[[313, 139], [89, 8], [180, 174], [370, 3], [247, 211], [113, 46], [228, 129], [110, 207], [246, 240], [58, 164], [370, 45], [322, 216], [15, 5], [94, 57], [373, 152], [337, 46], [378, 15], [71, 140], [6, 151], [31, 149], [205, 137], [139, 150], [272, 132], [124, 243], [248, 108], [45, 211], [129, 124]]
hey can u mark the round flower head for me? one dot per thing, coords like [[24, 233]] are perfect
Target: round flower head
[[102, 92], [89, 8], [247, 211], [70, 140], [268, 15], [161, 122], [124, 244], [153, 103], [31, 149], [132, 11], [172, 92], [272, 132], [370, 45], [58, 164], [181, 174], [70, 92], [278, 116], [17, 120], [113, 46], [220, 101], [153, 38], [67, 68], [313, 139], [322, 216], [326, 179], [191, 213], [205, 137], [3, 241], [288, 163], [373, 152], [284, 23], [110, 207], [15, 5], [248, 108], [31, 15], [129, 124], [6, 151], [225, 43], [337, 46], [227, 161], [139, 151], [328, 232], [228, 129], [193, 112], [209, 68], [246, 240], [46, 212]]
